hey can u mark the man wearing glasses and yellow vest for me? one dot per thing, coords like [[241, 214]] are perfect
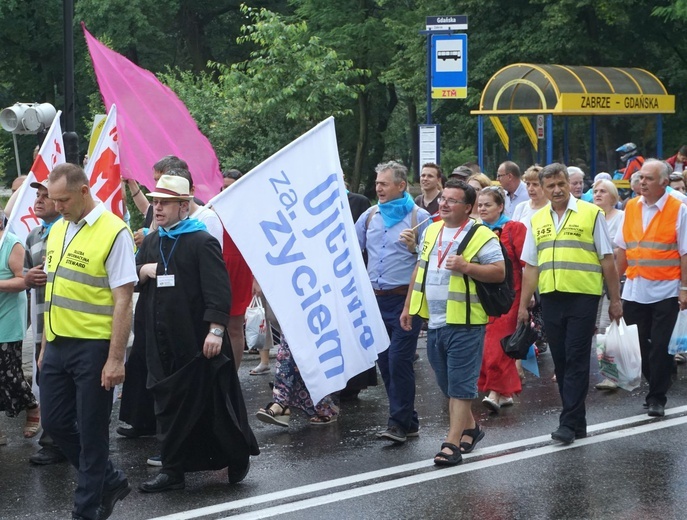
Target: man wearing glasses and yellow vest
[[568, 252], [652, 249], [91, 274]]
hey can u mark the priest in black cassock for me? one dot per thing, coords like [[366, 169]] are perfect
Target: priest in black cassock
[[198, 402]]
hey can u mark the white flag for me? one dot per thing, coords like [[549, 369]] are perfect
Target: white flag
[[290, 219], [103, 166], [23, 219]]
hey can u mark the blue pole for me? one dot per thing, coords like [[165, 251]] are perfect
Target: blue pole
[[566, 144], [429, 79], [549, 139], [509, 131], [592, 146], [480, 142], [659, 135]]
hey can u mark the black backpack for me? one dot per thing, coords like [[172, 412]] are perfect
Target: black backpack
[[496, 298]]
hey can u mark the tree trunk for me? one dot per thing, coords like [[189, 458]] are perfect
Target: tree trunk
[[414, 165], [361, 148]]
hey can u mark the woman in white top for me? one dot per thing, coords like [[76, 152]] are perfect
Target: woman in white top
[[606, 197], [523, 212]]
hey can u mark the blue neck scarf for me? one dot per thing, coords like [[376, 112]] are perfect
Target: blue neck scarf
[[498, 224], [47, 227], [189, 225], [395, 210]]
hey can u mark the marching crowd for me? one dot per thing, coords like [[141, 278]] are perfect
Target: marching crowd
[[564, 251]]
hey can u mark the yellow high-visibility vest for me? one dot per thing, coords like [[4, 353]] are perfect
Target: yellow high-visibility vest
[[568, 260], [78, 298]]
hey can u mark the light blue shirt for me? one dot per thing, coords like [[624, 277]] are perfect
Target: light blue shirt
[[389, 263], [515, 198]]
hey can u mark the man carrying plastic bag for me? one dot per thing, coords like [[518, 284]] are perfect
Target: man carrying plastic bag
[[619, 355], [652, 249]]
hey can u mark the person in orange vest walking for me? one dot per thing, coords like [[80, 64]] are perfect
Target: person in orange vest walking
[[652, 242]]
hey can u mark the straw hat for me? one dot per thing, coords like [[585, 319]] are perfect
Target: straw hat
[[171, 187]]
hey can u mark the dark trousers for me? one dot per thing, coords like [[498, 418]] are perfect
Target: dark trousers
[[655, 323], [75, 410], [569, 321], [45, 441], [396, 363]]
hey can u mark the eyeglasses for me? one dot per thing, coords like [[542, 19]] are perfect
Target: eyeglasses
[[450, 202], [502, 175]]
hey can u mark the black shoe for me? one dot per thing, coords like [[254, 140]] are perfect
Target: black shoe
[[110, 498], [393, 433], [133, 433], [46, 456], [656, 410], [581, 434], [163, 482], [236, 475], [564, 435]]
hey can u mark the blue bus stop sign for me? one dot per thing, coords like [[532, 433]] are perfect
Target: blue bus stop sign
[[449, 66]]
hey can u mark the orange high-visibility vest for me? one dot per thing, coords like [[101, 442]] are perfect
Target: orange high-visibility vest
[[652, 254]]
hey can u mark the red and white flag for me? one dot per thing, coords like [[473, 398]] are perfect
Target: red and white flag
[[103, 168], [23, 219]]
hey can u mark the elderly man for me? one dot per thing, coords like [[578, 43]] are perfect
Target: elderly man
[[576, 179], [652, 252], [191, 372], [456, 320], [508, 174], [430, 183], [389, 232], [568, 254], [91, 274], [36, 278]]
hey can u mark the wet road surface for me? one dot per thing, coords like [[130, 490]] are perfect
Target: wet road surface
[[630, 467]]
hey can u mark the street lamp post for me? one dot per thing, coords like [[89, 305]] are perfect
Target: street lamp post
[[26, 119]]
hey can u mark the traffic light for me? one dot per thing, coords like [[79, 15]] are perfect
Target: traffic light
[[27, 118]]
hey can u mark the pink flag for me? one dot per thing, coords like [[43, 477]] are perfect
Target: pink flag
[[152, 122], [23, 219], [103, 168]]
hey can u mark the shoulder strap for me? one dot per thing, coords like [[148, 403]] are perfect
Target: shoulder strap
[[371, 214], [464, 243]]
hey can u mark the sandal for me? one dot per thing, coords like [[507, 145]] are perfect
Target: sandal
[[33, 422], [445, 459], [269, 416], [476, 433], [260, 370], [323, 419]]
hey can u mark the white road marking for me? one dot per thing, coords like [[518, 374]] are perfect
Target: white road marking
[[643, 424]]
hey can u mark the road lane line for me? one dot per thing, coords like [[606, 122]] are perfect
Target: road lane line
[[404, 468]]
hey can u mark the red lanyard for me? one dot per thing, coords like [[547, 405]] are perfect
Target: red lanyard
[[441, 258]]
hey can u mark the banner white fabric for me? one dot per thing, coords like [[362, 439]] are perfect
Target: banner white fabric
[[291, 220]]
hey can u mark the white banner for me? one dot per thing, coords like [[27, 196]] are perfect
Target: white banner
[[23, 219], [103, 166], [290, 219]]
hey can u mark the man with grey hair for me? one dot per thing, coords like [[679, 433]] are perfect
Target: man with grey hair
[[389, 232], [508, 174], [576, 178], [652, 252]]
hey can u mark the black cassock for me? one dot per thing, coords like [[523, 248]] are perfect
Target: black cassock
[[198, 401]]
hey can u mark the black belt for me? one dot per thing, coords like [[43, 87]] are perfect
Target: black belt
[[402, 289]]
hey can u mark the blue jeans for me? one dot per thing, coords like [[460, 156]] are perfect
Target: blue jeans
[[396, 363], [75, 410], [455, 354]]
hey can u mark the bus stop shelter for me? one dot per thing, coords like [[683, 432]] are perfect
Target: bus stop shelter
[[525, 89]]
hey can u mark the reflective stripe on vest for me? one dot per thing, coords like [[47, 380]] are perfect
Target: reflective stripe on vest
[[78, 298], [653, 253], [567, 258], [456, 305]]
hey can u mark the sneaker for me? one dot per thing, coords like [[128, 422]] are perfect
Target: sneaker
[[413, 432], [155, 460], [393, 433], [606, 384]]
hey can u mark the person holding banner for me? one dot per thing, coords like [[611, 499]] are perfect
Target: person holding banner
[[201, 416], [456, 323], [36, 279], [389, 233], [91, 274]]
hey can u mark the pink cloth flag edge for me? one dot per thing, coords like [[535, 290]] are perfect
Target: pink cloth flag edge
[[152, 122]]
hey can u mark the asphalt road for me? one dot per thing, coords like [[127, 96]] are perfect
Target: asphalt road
[[630, 467]]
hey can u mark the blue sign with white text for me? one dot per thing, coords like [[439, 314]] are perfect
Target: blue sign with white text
[[449, 66]]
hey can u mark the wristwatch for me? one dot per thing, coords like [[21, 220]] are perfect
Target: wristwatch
[[217, 332]]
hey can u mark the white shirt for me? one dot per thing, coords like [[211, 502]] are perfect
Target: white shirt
[[437, 278], [211, 221], [515, 198], [121, 263], [602, 239], [523, 212], [641, 290]]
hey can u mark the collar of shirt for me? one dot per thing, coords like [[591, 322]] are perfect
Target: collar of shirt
[[92, 216], [572, 205], [660, 203], [519, 191]]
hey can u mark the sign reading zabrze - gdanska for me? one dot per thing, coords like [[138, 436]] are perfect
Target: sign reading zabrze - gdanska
[[616, 103]]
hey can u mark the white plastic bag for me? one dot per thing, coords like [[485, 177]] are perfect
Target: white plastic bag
[[620, 359], [678, 341], [255, 324]]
